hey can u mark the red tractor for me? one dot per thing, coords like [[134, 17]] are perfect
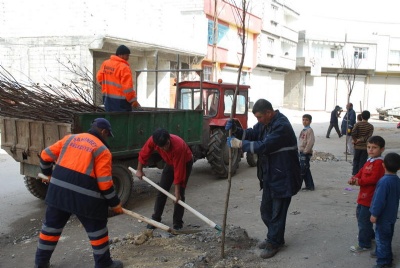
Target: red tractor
[[215, 99]]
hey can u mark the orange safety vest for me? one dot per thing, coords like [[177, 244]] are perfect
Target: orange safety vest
[[81, 182], [116, 82]]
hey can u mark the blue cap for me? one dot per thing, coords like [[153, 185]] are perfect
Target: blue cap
[[103, 123]]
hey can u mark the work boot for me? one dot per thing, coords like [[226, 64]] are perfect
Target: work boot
[[47, 265], [263, 244], [269, 251], [116, 264]]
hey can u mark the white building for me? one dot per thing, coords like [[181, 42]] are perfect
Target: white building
[[319, 82], [35, 36]]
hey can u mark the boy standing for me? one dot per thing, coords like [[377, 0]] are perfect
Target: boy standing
[[360, 134], [306, 143], [384, 207], [367, 178]]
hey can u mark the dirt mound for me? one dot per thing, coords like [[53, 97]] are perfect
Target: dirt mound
[[200, 250], [323, 156]]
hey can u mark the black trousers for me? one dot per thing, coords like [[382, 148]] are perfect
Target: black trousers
[[53, 226], [167, 178], [333, 125]]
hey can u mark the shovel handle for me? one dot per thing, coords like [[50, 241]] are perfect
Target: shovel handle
[[180, 202], [147, 220], [43, 177]]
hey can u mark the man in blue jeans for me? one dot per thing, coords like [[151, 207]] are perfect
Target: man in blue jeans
[[278, 168]]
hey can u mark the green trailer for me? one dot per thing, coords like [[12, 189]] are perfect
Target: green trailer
[[24, 139]]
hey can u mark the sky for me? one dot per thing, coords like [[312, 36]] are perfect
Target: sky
[[378, 16]]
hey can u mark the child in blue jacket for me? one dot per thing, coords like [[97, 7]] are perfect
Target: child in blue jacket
[[384, 207]]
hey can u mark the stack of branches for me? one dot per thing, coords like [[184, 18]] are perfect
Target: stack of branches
[[44, 103]]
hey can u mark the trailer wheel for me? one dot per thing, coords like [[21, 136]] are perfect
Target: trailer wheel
[[218, 154], [123, 181], [36, 187], [251, 159]]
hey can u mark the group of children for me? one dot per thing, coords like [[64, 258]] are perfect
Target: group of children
[[378, 199]]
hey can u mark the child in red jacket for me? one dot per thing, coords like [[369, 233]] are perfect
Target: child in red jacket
[[367, 178]]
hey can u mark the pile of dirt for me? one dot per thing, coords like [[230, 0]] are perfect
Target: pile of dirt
[[202, 249], [323, 156]]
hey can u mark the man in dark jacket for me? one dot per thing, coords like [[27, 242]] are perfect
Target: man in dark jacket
[[278, 168], [348, 123], [81, 184], [334, 122]]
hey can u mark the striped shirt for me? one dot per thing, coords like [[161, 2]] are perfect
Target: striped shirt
[[361, 133]]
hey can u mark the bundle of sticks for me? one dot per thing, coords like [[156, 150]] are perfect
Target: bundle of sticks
[[43, 102]]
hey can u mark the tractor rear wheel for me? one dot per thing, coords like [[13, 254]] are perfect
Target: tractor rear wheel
[[218, 154]]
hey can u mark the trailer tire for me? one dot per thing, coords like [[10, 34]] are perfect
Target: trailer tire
[[36, 187], [218, 154], [123, 181], [251, 159]]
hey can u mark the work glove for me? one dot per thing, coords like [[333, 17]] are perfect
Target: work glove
[[233, 142], [118, 209], [136, 105], [48, 179], [231, 125]]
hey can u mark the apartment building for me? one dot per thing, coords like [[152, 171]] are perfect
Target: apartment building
[[326, 58]]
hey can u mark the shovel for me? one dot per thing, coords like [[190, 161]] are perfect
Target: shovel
[[180, 202], [44, 178], [158, 224]]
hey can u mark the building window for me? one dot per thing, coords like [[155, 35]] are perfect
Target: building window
[[360, 52], [333, 54], [270, 45], [394, 57], [207, 71], [244, 78], [274, 23], [270, 56]]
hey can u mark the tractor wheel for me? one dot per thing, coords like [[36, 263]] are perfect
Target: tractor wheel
[[218, 154], [123, 181], [251, 159], [36, 187]]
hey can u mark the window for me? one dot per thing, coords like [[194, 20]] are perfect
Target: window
[[240, 102], [394, 57], [317, 51], [270, 45], [360, 52], [189, 99], [333, 54], [207, 71]]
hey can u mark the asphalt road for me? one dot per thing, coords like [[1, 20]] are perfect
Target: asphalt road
[[318, 236]]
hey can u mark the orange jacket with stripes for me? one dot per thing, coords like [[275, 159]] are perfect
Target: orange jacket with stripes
[[116, 82], [81, 182]]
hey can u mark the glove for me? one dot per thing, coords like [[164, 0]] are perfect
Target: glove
[[136, 105], [233, 142], [118, 209], [228, 125], [231, 125]]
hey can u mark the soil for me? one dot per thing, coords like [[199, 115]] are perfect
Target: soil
[[321, 224]]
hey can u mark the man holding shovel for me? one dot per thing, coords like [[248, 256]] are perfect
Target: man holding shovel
[[179, 161], [81, 184]]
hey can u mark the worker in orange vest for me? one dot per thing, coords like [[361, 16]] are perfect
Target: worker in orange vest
[[81, 184], [116, 82]]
